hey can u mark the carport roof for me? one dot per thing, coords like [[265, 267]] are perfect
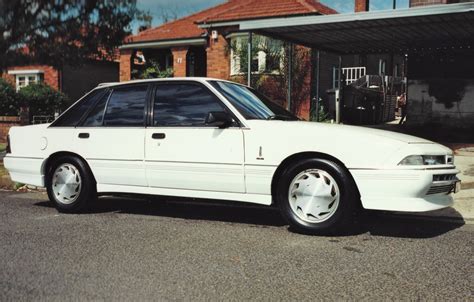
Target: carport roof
[[402, 30]]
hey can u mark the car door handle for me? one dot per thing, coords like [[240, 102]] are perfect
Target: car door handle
[[83, 135], [158, 136]]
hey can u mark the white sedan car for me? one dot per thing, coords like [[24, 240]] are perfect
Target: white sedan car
[[208, 138]]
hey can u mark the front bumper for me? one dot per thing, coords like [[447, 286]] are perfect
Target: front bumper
[[406, 190]]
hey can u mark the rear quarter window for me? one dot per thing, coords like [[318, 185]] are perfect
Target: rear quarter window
[[74, 114]]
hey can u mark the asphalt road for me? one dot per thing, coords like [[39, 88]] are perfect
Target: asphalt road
[[129, 249]]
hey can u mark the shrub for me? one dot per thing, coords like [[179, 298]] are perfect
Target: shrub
[[9, 104], [42, 99], [152, 70]]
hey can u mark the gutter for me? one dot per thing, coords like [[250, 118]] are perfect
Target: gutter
[[165, 43], [421, 11]]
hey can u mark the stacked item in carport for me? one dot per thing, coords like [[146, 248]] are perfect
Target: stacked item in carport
[[370, 100]]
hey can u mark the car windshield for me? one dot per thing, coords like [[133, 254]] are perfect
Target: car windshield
[[252, 104]]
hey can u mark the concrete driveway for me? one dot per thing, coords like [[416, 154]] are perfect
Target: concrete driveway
[[135, 249]]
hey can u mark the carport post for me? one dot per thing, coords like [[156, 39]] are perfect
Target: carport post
[[249, 60], [290, 75], [316, 96], [338, 92]]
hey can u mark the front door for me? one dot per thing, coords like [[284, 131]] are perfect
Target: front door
[[182, 152], [111, 138]]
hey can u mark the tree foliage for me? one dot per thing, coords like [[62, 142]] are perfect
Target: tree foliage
[[145, 20], [8, 99], [42, 99], [152, 70], [54, 32]]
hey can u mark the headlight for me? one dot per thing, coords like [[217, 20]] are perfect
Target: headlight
[[423, 160]]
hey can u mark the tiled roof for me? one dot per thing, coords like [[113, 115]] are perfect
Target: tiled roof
[[253, 9], [231, 10]]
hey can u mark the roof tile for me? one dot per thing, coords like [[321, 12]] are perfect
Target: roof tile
[[231, 10]]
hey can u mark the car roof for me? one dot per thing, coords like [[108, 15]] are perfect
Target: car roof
[[189, 79]]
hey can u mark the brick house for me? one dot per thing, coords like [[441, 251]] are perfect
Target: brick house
[[202, 45], [72, 81]]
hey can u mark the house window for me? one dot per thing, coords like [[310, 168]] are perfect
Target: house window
[[396, 71], [267, 55], [24, 78], [382, 66], [335, 77]]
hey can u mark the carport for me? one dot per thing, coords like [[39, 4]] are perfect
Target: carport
[[446, 28]]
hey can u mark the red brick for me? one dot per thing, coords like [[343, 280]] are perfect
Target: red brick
[[50, 74], [125, 64], [414, 3], [218, 61], [179, 61], [361, 6], [6, 122]]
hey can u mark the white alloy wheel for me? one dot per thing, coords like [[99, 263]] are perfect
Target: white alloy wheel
[[314, 195], [66, 183]]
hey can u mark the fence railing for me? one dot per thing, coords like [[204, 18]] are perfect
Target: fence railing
[[42, 119], [352, 74]]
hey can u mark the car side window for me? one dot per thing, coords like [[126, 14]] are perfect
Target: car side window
[[183, 105], [96, 116], [126, 107], [74, 115]]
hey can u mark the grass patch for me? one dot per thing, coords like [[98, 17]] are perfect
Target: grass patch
[[3, 147], [3, 171], [5, 182]]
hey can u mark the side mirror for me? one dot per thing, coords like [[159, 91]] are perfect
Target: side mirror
[[219, 119]]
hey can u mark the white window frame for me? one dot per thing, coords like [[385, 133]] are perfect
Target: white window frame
[[235, 60], [382, 66], [26, 74]]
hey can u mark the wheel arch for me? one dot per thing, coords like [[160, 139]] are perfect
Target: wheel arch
[[48, 162], [307, 155]]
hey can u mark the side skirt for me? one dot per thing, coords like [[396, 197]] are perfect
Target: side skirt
[[250, 198]]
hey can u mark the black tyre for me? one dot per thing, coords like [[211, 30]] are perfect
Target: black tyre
[[70, 185], [317, 196]]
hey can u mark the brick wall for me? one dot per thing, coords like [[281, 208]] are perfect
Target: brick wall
[[218, 61], [414, 3], [361, 6], [6, 122], [125, 65], [50, 74], [179, 61]]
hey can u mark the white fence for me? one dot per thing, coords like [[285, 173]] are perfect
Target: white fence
[[351, 74]]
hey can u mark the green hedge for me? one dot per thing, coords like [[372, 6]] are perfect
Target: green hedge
[[9, 104], [42, 99]]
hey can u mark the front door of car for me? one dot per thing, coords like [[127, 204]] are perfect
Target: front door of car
[[111, 137], [182, 151]]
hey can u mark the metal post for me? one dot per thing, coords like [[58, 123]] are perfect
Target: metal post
[[249, 59], [316, 105], [290, 75], [338, 93]]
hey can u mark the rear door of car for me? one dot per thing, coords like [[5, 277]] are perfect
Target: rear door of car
[[181, 151], [111, 136]]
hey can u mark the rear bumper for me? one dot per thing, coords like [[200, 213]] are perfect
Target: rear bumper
[[406, 190], [25, 170]]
